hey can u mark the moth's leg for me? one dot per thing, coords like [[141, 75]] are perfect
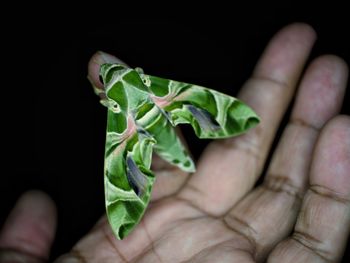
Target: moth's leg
[[168, 145]]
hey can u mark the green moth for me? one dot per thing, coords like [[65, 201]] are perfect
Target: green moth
[[142, 113]]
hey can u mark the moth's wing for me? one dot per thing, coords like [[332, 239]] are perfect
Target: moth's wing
[[212, 114], [154, 121], [128, 178]]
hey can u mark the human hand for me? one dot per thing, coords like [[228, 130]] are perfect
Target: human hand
[[300, 213]]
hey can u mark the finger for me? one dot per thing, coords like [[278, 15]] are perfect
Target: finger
[[323, 224], [229, 168], [29, 230], [269, 212], [94, 64], [169, 178]]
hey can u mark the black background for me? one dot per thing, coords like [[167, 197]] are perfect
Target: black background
[[54, 127]]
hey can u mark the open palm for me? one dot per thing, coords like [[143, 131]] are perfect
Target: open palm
[[300, 213]]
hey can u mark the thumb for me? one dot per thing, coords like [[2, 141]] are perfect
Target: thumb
[[29, 230]]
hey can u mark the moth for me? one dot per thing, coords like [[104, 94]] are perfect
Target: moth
[[142, 113]]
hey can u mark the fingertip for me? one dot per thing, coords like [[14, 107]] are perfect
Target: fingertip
[[296, 33], [94, 64], [284, 58], [342, 120], [94, 70], [333, 63], [36, 197], [336, 60], [337, 129], [104, 57], [300, 27], [30, 226], [321, 91], [337, 132]]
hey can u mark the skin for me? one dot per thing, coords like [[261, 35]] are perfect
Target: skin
[[300, 213]]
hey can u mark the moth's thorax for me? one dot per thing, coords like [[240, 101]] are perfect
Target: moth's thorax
[[135, 96], [124, 89]]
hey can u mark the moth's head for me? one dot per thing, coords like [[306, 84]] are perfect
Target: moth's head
[[107, 71]]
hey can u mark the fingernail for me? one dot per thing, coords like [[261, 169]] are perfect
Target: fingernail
[[96, 61], [108, 58]]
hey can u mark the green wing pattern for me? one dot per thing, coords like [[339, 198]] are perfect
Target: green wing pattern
[[212, 114], [142, 113], [128, 178]]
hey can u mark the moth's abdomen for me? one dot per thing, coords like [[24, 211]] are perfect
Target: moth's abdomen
[[149, 117]]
